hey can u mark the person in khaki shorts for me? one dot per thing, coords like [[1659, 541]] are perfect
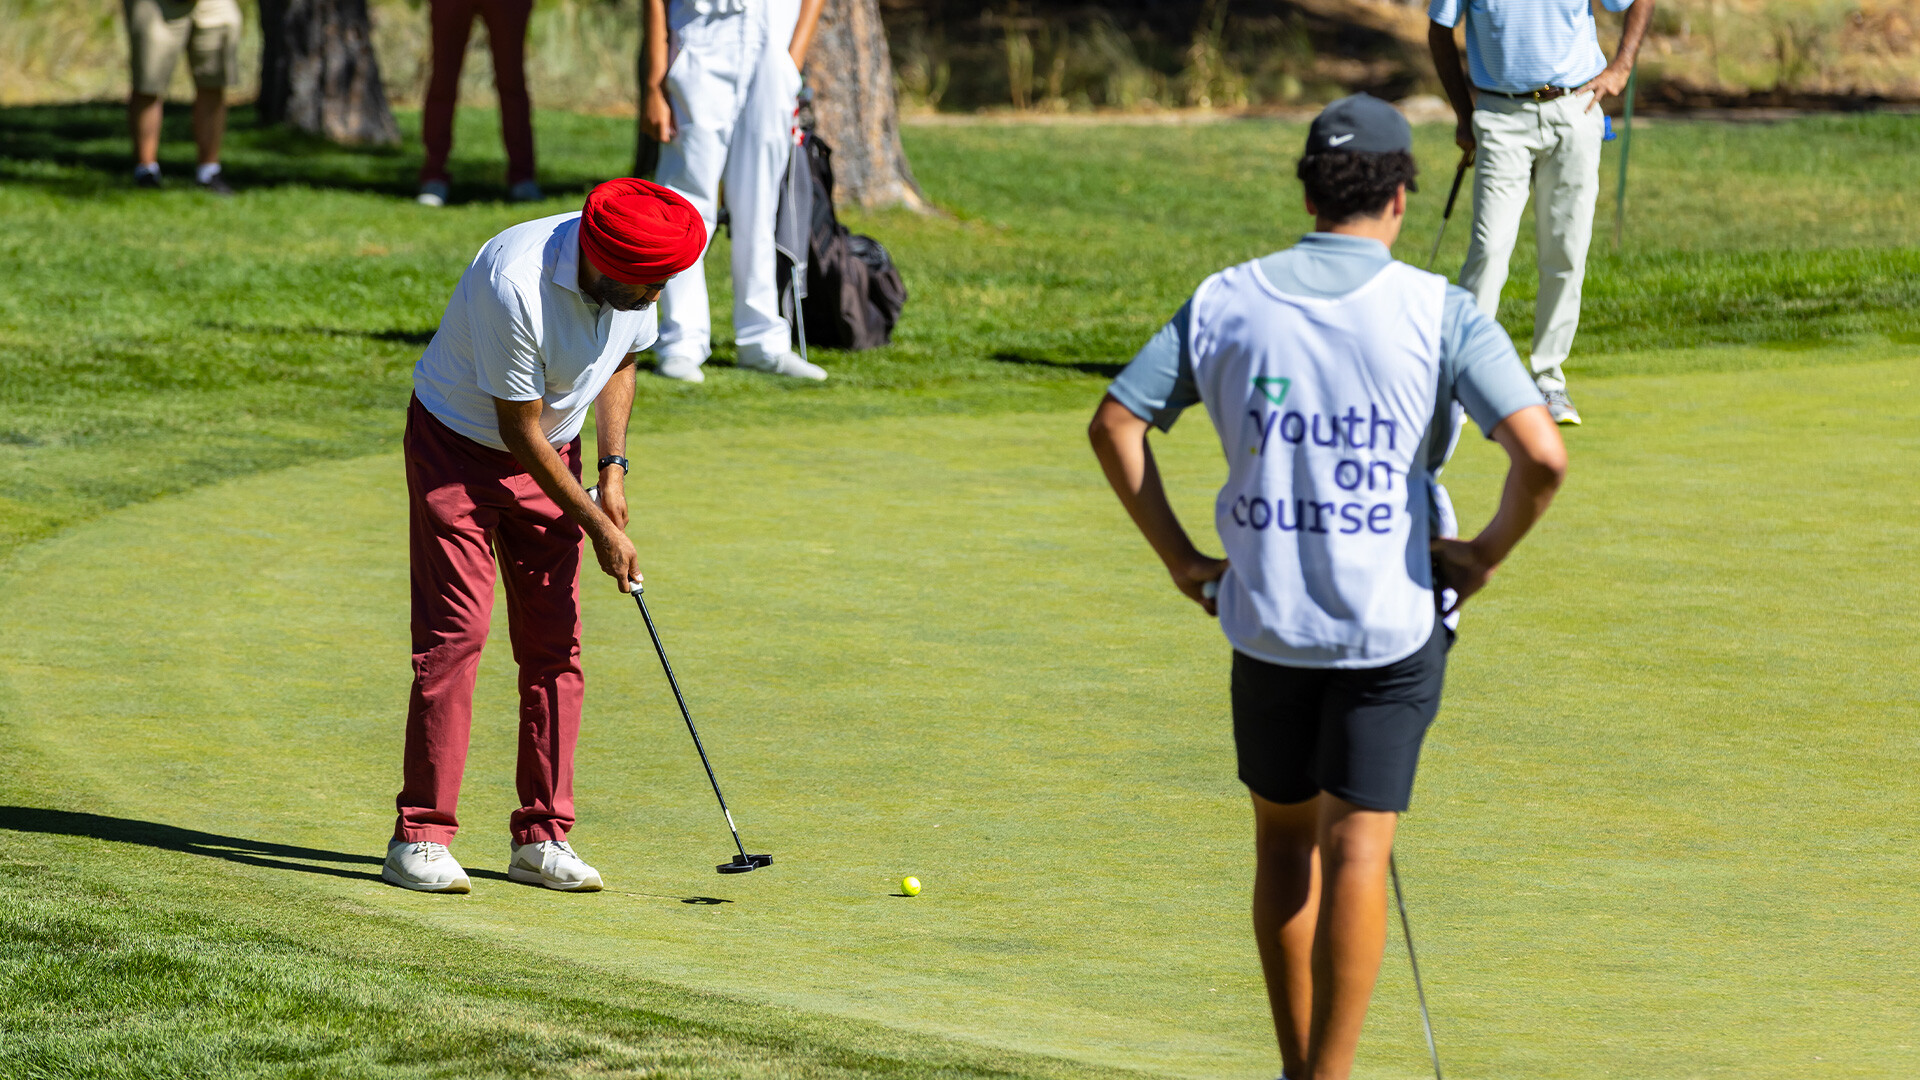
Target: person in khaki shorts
[[158, 31]]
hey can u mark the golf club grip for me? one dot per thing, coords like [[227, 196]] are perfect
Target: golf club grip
[[1453, 196]]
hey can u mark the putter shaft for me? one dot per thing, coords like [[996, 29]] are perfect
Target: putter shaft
[[1406, 928], [686, 715], [1446, 215]]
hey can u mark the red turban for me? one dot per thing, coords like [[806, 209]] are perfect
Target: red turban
[[639, 233]]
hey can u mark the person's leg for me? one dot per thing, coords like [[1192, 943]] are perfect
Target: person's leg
[[450, 22], [1276, 729], [1567, 184], [540, 567], [1286, 907], [704, 85], [156, 33], [214, 52], [143, 123], [1373, 724], [1502, 177], [1351, 930], [452, 572], [756, 164], [507, 37]]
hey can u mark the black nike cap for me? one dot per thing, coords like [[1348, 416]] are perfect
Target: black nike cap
[[1360, 123]]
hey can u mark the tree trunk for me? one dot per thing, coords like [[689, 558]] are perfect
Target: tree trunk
[[318, 71], [851, 73]]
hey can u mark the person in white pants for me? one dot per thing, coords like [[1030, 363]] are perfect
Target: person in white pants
[[719, 94], [1537, 72]]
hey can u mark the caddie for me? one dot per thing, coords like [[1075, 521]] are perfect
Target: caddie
[[543, 325], [1532, 123], [1334, 377], [719, 89]]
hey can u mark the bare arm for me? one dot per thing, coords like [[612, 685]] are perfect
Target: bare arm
[[1120, 442], [611, 411], [803, 30], [1613, 80], [520, 430], [1537, 464], [1453, 76], [656, 113]]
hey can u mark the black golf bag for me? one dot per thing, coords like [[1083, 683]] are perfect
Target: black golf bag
[[851, 293]]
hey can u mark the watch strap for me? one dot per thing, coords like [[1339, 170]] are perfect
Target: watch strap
[[615, 459]]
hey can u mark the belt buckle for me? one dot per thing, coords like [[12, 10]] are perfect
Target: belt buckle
[[1535, 94]]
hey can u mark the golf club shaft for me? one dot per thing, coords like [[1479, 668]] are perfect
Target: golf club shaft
[[1406, 928], [688, 717], [799, 317], [1446, 215]]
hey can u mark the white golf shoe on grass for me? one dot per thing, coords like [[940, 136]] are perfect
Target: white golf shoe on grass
[[423, 866], [554, 864], [780, 363], [681, 368]]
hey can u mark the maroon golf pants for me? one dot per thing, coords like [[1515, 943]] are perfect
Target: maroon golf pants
[[470, 505], [452, 21]]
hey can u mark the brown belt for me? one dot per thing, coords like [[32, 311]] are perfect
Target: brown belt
[[1545, 93]]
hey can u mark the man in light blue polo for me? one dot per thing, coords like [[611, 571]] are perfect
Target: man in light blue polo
[[1335, 378], [1538, 74]]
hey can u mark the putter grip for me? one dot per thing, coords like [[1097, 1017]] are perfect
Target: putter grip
[[593, 493]]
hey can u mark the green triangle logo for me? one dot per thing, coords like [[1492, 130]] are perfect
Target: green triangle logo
[[1273, 387]]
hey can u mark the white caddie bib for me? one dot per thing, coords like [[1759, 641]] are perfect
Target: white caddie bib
[[1323, 408]]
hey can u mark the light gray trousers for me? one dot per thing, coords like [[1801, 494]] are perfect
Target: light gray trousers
[[1551, 150]]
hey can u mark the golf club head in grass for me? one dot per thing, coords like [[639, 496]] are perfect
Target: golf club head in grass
[[745, 864]]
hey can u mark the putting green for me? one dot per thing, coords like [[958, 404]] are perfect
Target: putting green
[[1664, 827]]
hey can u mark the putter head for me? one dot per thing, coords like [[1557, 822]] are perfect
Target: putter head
[[746, 865]]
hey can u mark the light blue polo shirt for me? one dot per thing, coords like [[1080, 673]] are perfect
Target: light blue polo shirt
[[1519, 45], [1478, 365]]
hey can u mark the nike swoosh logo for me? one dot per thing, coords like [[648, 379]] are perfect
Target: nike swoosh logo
[[1336, 140]]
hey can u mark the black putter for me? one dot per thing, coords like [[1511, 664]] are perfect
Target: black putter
[[743, 862], [1446, 215]]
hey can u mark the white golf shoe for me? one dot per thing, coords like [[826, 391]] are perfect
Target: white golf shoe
[[554, 864], [683, 368], [780, 363], [423, 866]]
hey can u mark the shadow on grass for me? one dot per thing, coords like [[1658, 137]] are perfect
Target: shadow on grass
[[27, 819], [92, 136], [403, 337], [1085, 367]]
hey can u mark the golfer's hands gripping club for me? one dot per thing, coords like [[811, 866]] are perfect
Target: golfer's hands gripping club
[[615, 551]]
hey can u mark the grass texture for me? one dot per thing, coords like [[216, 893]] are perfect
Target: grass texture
[[1658, 825], [1666, 794]]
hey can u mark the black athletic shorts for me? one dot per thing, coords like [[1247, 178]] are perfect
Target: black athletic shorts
[[1354, 732]]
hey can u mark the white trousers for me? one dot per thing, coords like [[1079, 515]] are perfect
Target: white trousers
[[732, 85], [1553, 149]]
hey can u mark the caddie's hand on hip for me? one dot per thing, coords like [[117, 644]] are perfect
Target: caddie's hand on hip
[[1194, 575], [1608, 83], [1460, 566], [656, 114]]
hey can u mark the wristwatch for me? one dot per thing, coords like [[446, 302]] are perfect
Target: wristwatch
[[615, 459]]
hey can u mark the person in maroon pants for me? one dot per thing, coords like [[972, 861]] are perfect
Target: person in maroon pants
[[452, 22], [543, 326]]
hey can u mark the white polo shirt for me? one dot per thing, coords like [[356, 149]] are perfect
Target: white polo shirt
[[518, 328]]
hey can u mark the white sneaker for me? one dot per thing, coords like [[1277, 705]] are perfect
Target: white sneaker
[[423, 866], [683, 368], [433, 193], [554, 864], [781, 363]]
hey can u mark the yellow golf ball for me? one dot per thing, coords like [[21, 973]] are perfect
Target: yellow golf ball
[[910, 886]]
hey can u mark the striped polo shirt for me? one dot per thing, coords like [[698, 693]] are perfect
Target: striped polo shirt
[[1519, 45]]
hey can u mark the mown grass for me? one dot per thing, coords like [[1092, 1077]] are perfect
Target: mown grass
[[158, 343]]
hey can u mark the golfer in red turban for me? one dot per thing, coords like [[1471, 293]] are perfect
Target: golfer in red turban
[[542, 327]]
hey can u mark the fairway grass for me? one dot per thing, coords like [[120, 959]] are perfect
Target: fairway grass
[[1663, 827]]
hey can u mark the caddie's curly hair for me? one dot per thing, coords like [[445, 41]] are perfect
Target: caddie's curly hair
[[1346, 184]]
